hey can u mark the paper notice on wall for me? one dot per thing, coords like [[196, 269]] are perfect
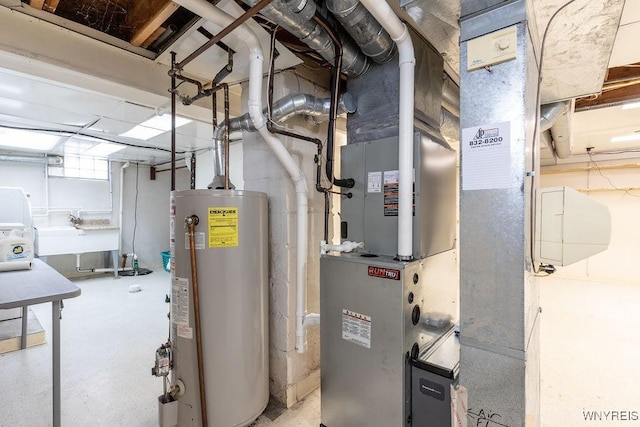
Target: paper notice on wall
[[180, 301], [374, 182], [486, 157], [356, 328]]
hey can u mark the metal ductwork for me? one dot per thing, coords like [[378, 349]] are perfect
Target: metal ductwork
[[53, 160], [295, 17], [282, 110], [450, 96], [555, 118], [366, 31]]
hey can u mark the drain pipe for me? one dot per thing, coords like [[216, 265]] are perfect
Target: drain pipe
[[256, 59], [120, 207], [399, 34]]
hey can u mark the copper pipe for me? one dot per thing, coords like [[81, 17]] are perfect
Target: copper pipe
[[215, 39], [173, 122], [191, 223]]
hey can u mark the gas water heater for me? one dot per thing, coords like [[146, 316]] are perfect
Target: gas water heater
[[222, 279]]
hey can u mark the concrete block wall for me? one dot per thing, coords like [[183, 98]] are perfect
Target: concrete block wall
[[292, 375]]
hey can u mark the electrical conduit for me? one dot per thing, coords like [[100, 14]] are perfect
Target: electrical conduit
[[256, 59], [400, 34]]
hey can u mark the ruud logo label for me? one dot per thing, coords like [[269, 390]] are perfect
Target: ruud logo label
[[384, 273]]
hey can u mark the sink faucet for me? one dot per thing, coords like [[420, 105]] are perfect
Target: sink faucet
[[75, 220]]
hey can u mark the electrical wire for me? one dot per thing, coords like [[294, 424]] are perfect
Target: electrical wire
[[534, 147], [626, 191], [101, 138]]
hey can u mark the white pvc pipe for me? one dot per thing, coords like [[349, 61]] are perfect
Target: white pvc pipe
[[120, 207], [256, 59], [399, 33]]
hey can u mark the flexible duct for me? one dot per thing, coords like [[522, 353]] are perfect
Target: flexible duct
[[374, 41], [354, 62], [556, 118], [215, 15], [48, 160], [400, 34]]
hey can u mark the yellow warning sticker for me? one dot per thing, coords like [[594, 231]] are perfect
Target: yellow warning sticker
[[223, 227]]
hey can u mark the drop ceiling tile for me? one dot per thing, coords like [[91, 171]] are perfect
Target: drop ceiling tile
[[625, 49]]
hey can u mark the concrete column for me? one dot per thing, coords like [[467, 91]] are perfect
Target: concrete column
[[292, 375], [498, 300]]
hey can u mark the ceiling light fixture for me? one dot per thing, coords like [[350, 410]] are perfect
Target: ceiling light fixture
[[154, 126], [26, 139], [631, 105], [626, 138]]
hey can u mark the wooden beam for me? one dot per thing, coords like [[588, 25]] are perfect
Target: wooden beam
[[610, 97], [36, 4], [153, 37], [622, 85], [159, 10], [626, 72], [51, 5]]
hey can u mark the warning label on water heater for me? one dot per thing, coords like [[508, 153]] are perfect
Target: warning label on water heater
[[223, 227], [356, 328], [180, 301]]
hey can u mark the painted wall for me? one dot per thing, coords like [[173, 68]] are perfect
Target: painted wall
[[204, 167], [53, 199], [148, 216], [620, 262], [292, 375]]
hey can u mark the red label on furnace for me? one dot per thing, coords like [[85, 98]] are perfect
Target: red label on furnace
[[384, 273]]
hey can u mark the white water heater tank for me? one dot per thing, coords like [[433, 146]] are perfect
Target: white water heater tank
[[232, 270]]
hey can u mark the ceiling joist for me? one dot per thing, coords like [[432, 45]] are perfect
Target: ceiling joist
[[158, 10], [36, 4], [621, 85], [51, 5]]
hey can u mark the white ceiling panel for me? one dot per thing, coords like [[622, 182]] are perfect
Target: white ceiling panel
[[631, 12], [625, 50], [47, 93], [49, 115]]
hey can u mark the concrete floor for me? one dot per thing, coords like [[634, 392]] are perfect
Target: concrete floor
[[590, 348]]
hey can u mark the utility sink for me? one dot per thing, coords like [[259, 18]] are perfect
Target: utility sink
[[62, 240]]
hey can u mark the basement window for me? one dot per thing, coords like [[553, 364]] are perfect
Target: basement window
[[83, 167]]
